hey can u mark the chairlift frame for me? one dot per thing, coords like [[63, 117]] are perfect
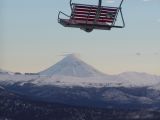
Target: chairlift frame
[[88, 24]]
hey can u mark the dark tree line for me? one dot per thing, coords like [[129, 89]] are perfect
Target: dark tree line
[[13, 107]]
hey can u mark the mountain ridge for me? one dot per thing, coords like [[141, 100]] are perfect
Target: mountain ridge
[[72, 71]]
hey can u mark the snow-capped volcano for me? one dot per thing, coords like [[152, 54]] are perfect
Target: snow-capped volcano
[[71, 71], [71, 65]]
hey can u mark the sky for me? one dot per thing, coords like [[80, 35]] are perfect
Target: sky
[[31, 40]]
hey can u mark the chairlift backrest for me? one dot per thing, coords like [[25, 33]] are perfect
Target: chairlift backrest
[[89, 17], [88, 13]]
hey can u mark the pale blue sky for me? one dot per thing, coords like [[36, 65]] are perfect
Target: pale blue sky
[[32, 40]]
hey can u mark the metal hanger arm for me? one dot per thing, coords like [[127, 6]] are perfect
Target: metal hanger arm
[[98, 11], [100, 3], [121, 3]]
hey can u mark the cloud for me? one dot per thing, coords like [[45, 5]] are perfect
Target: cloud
[[70, 53], [156, 53], [110, 1], [138, 54], [147, 0]]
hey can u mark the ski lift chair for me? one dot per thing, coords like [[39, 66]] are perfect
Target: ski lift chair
[[89, 17]]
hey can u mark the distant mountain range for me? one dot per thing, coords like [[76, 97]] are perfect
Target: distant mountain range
[[71, 81], [5, 72]]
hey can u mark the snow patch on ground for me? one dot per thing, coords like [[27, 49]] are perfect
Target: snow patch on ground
[[1, 88], [155, 87], [69, 81]]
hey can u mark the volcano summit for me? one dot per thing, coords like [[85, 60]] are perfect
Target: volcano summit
[[71, 66]]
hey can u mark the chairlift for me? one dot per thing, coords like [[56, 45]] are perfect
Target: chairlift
[[89, 17]]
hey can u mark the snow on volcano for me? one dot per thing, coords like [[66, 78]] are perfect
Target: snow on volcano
[[71, 66]]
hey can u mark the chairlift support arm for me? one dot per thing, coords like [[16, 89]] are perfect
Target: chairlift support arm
[[121, 3]]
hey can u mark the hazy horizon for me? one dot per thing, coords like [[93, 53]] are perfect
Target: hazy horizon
[[78, 57]]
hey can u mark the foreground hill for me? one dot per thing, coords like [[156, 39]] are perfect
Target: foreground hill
[[15, 107]]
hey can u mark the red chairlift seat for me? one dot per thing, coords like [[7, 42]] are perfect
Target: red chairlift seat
[[89, 17]]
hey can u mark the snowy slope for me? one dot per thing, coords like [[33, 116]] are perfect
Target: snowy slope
[[155, 87], [7, 79], [71, 81], [138, 79], [121, 80], [71, 66], [105, 81]]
